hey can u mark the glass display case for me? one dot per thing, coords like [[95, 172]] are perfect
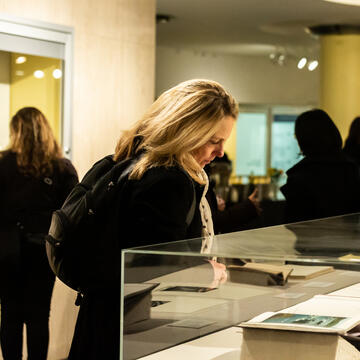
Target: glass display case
[[173, 294]]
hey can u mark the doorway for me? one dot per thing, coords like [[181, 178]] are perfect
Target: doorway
[[36, 70]]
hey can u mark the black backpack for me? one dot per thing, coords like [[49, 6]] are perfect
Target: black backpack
[[83, 245]]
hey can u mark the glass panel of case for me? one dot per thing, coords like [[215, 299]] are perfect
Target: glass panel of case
[[172, 293]]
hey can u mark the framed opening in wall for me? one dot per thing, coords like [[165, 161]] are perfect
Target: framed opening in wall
[[36, 69]]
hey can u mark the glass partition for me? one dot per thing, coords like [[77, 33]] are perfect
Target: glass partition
[[172, 293]]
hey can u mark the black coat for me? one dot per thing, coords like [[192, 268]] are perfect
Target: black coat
[[31, 200], [352, 151], [234, 217], [153, 210], [157, 206], [26, 205], [319, 187]]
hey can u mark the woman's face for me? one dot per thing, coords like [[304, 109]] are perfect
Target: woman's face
[[215, 146]]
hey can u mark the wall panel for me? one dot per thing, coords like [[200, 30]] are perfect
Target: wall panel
[[113, 84], [108, 73]]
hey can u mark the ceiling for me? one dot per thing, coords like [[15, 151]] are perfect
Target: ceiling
[[251, 27]]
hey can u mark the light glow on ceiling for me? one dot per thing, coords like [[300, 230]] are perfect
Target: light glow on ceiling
[[345, 2]]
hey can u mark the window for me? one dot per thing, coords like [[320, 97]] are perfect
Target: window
[[251, 129], [284, 148], [265, 139]]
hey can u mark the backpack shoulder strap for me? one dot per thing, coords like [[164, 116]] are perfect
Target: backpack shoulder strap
[[99, 169]]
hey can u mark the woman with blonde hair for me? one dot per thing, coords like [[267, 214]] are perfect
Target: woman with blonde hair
[[182, 131], [35, 180]]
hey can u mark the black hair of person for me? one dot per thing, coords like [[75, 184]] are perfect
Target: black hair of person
[[317, 134]]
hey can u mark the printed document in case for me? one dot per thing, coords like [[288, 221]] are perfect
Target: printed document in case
[[322, 313]]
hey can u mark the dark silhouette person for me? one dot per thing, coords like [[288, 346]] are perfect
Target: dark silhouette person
[[228, 218], [352, 142], [325, 182], [35, 180]]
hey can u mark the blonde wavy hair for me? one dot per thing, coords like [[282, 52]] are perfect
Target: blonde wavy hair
[[32, 139], [180, 121]]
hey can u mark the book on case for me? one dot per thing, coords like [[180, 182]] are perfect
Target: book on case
[[305, 272], [325, 327], [322, 313], [260, 344], [259, 274]]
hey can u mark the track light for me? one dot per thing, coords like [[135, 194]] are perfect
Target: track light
[[163, 19], [302, 62], [313, 65]]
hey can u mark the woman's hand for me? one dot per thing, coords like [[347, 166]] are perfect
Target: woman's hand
[[220, 274], [255, 201], [220, 203]]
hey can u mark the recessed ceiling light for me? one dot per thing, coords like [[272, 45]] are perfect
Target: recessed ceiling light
[[39, 74], [345, 2], [57, 73], [20, 60]]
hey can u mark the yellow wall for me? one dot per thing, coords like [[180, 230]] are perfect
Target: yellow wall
[[44, 93], [340, 79]]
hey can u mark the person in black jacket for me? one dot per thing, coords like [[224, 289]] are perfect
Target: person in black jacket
[[325, 182], [229, 218], [35, 180], [183, 130], [352, 142]]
